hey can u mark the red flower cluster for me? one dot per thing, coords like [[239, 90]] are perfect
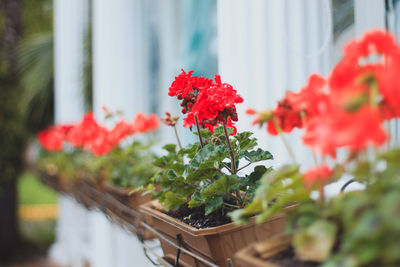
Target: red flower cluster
[[295, 108], [212, 103], [53, 137], [317, 176], [144, 123], [338, 128], [362, 92], [367, 74], [93, 137], [284, 118], [187, 88]]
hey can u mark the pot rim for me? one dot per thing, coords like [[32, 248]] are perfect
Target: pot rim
[[150, 209]]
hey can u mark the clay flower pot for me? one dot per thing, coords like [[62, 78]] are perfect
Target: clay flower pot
[[132, 201], [215, 244], [55, 182], [122, 195], [257, 254]]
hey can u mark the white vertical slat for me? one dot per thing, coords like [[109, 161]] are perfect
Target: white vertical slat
[[120, 54], [325, 36], [369, 14], [168, 32], [70, 26], [266, 48], [121, 82]]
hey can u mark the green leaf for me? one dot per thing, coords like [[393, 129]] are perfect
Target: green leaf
[[196, 200], [190, 150], [256, 155], [220, 131], [250, 182], [245, 142], [243, 215], [171, 174], [205, 133], [213, 204], [257, 173], [209, 156], [170, 148], [178, 167], [172, 201], [162, 162], [221, 186], [202, 174]]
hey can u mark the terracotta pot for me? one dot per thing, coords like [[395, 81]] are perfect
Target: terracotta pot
[[131, 201], [122, 195], [215, 244], [257, 254], [55, 182]]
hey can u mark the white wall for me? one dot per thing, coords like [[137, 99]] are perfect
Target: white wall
[[70, 26], [121, 82], [267, 48]]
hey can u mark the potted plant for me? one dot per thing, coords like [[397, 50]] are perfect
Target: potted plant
[[358, 228], [202, 182], [94, 155]]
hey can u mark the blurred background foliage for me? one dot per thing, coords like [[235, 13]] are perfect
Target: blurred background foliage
[[26, 97]]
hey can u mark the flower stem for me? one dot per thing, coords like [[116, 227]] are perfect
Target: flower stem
[[198, 131], [285, 142], [177, 137], [233, 164], [291, 154], [321, 197]]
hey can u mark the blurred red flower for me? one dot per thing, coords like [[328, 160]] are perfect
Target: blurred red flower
[[337, 128], [367, 74], [144, 123], [285, 117], [317, 176], [85, 131], [52, 137], [121, 130], [311, 99]]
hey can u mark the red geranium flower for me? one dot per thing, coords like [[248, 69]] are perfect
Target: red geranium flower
[[144, 123], [356, 83], [102, 143], [52, 137], [182, 85], [121, 130], [84, 132], [338, 128], [187, 88], [311, 99], [285, 117], [317, 176], [215, 105]]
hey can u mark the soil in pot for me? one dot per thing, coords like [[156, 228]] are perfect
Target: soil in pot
[[195, 217]]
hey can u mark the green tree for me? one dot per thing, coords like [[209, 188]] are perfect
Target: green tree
[[11, 129], [16, 17]]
